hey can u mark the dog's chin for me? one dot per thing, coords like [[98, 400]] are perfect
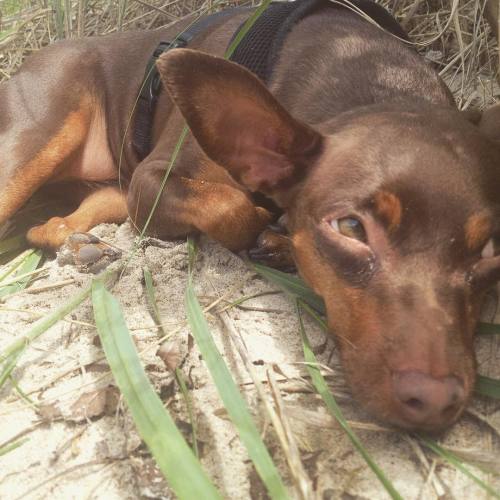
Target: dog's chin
[[397, 422]]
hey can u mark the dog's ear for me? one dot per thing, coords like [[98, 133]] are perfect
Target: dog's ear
[[237, 122]]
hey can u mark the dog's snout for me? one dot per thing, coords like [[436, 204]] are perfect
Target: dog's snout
[[426, 401]]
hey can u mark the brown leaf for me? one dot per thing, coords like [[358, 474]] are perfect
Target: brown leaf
[[170, 354], [95, 404], [49, 412]]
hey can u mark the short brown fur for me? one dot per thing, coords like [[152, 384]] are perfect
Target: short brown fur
[[390, 155]]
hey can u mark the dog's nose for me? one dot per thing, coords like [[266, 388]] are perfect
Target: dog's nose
[[428, 402]]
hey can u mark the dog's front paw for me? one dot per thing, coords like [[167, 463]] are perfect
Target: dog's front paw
[[50, 235], [87, 252], [274, 250]]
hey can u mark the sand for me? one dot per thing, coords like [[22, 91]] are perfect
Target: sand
[[80, 439]]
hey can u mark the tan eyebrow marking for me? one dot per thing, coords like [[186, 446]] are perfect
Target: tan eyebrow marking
[[477, 230], [388, 207]]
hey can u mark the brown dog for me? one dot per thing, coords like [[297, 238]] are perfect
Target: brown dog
[[391, 194]]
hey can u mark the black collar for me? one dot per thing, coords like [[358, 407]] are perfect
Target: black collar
[[258, 50]]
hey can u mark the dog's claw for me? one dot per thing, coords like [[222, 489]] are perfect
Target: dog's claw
[[279, 226], [87, 252], [273, 250]]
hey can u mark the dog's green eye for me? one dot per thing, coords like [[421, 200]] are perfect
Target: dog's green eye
[[350, 227]]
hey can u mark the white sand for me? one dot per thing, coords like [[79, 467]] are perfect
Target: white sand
[[79, 448]]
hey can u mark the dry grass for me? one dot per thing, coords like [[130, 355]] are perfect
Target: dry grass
[[28, 25], [452, 34]]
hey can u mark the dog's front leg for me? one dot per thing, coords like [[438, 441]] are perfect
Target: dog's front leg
[[106, 204], [188, 206]]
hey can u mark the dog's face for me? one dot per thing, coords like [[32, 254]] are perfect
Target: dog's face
[[392, 215], [395, 228]]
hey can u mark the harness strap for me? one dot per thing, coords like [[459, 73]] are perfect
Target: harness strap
[[146, 103], [258, 51], [151, 85], [260, 48]]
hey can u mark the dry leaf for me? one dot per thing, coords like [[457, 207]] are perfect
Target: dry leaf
[[170, 354], [94, 404]]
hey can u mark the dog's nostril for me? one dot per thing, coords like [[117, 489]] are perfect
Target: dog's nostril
[[414, 403], [426, 400]]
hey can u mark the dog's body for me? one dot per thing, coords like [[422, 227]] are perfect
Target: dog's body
[[390, 193]]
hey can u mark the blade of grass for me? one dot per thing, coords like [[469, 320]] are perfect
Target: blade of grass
[[18, 277], [246, 28], [229, 393], [29, 264], [43, 324], [21, 393], [12, 446], [155, 425], [322, 389], [275, 413], [179, 375], [7, 368], [292, 285], [458, 464], [487, 386], [15, 263], [488, 329]]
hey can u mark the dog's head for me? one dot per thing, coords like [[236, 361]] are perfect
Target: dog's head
[[393, 217]]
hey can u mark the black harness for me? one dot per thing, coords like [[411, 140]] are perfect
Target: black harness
[[258, 51]]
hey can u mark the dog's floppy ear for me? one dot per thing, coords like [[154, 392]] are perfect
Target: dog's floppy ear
[[237, 122]]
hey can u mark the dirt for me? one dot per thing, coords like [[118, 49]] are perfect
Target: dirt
[[80, 441]]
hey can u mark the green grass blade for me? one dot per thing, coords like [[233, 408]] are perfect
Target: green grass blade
[[7, 368], [151, 296], [488, 329], [458, 464], [21, 393], [322, 389], [14, 264], [156, 427], [229, 393], [171, 163], [292, 285], [29, 264], [487, 386], [179, 375], [232, 399], [12, 446], [246, 28], [43, 324]]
